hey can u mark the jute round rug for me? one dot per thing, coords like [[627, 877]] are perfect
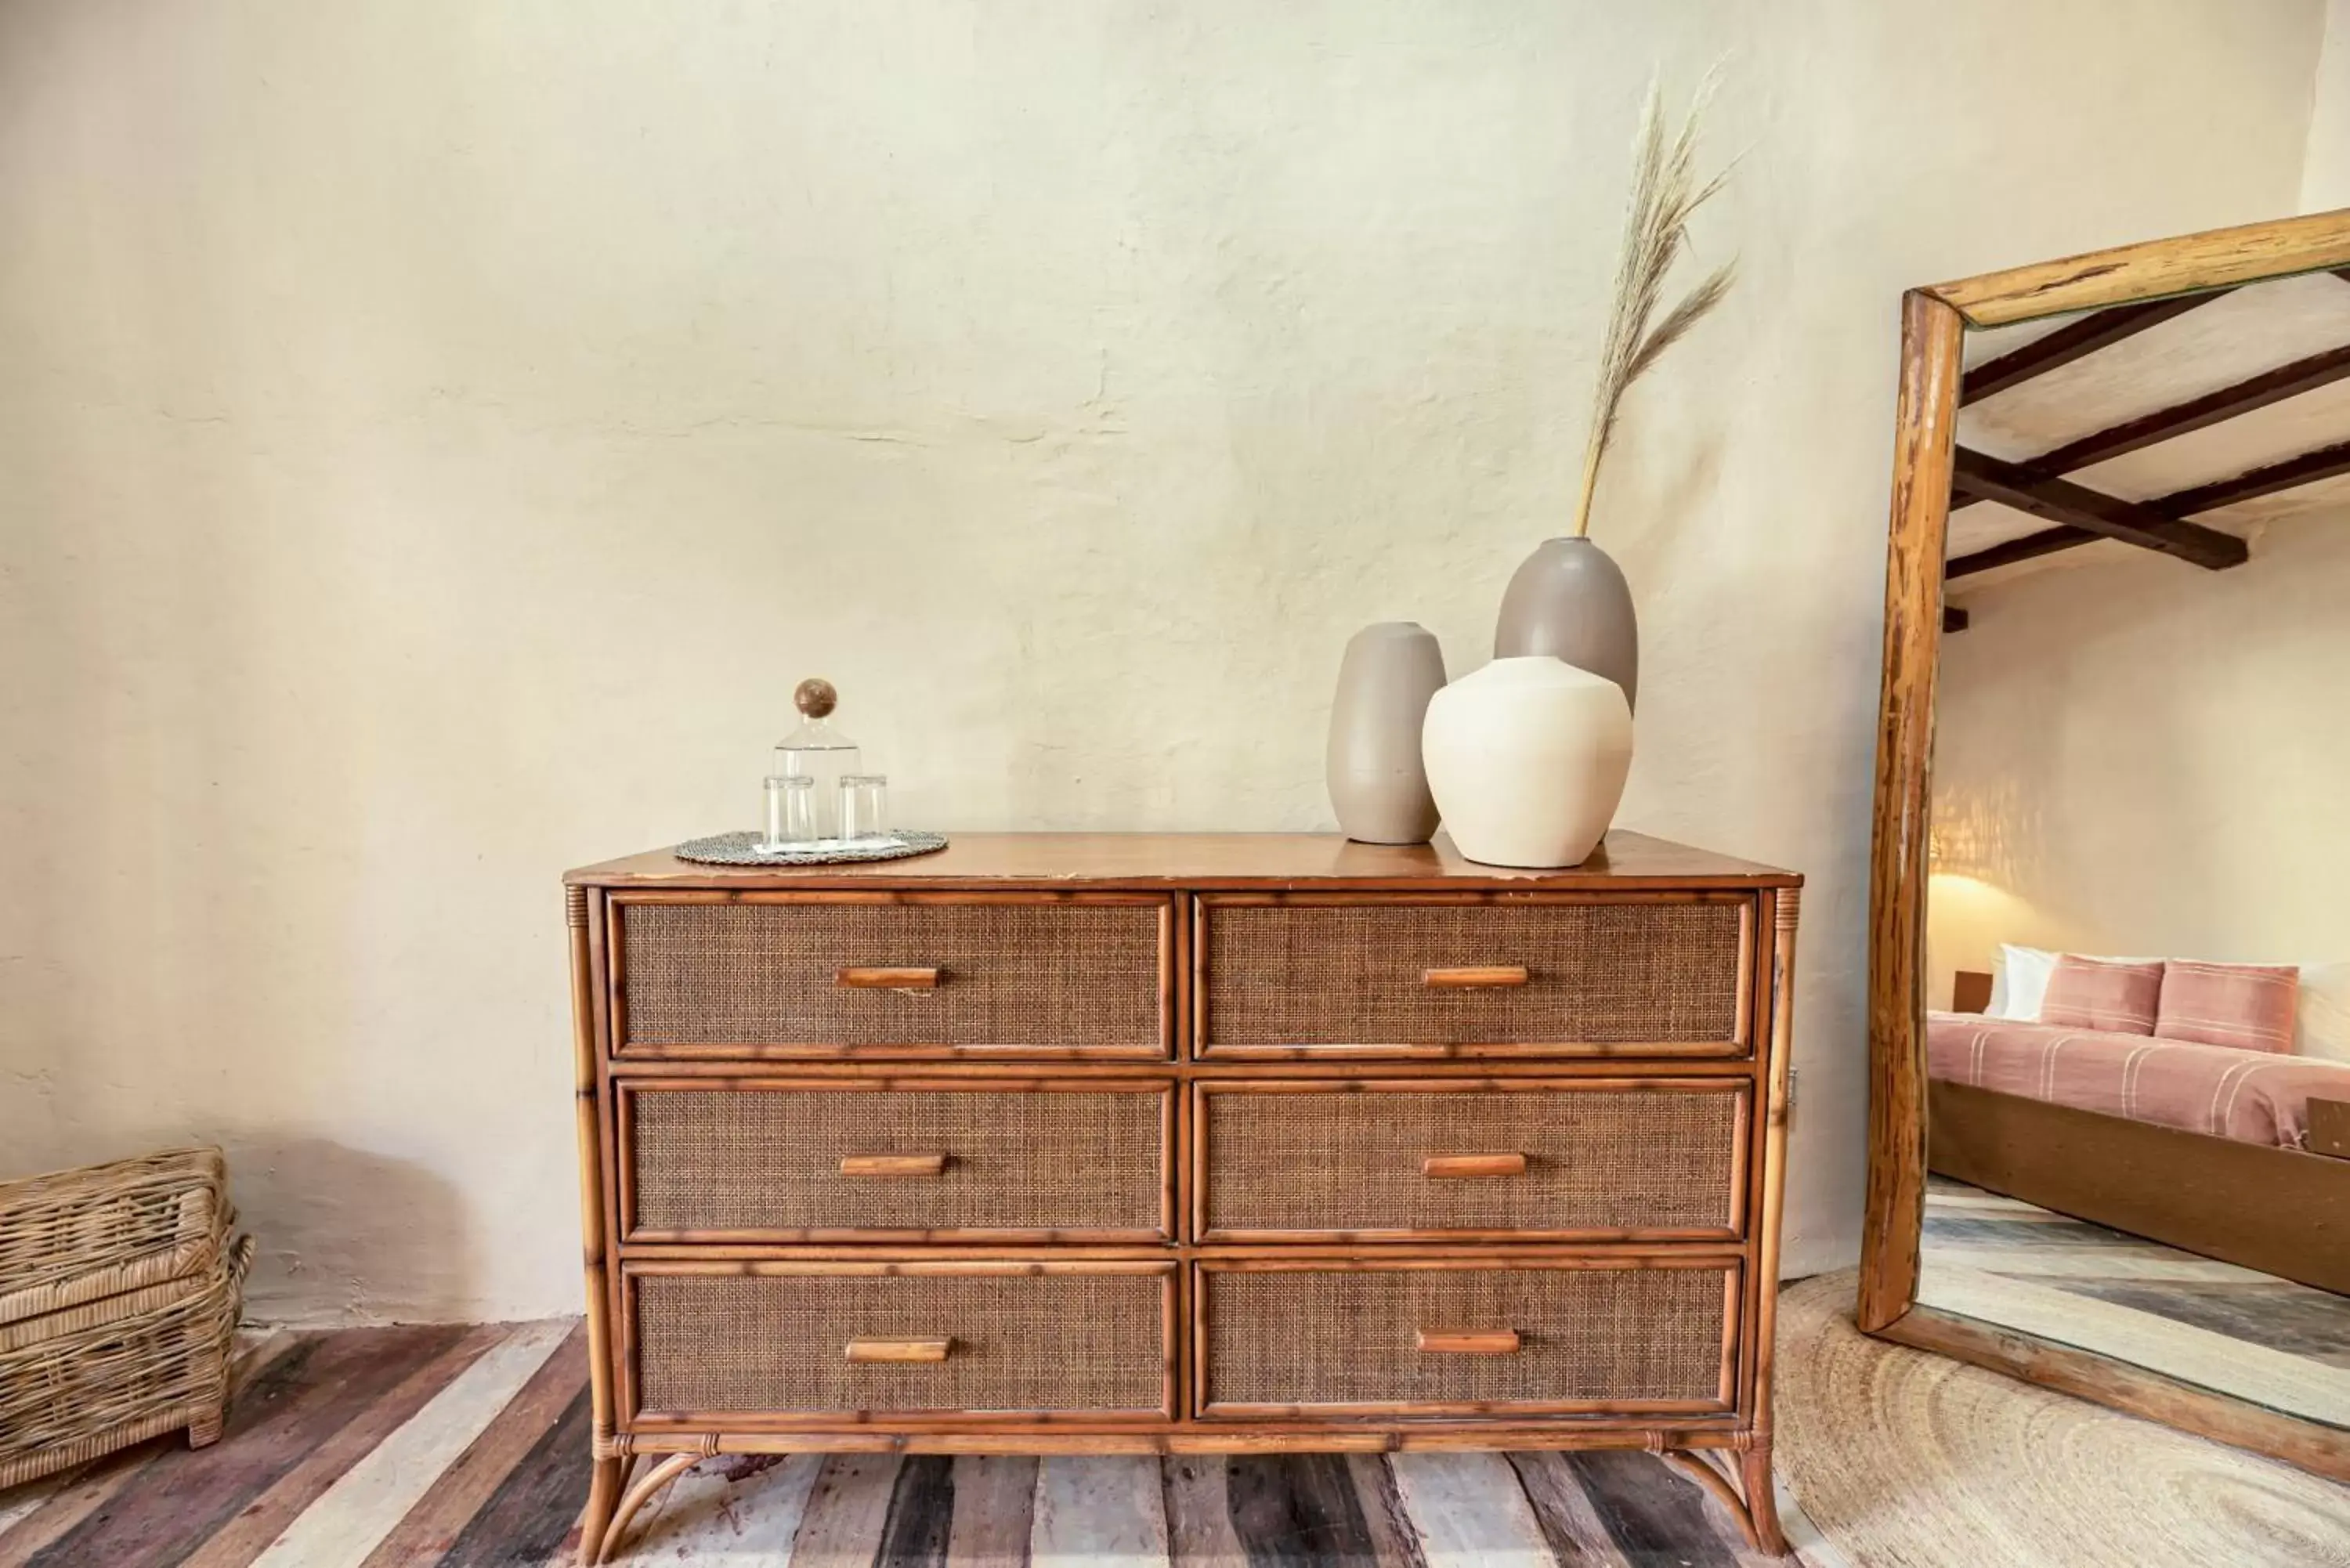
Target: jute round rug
[[1905, 1459]]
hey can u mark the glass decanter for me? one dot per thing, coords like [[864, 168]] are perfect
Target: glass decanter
[[816, 751]]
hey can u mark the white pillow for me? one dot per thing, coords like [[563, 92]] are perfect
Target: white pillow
[[2019, 978], [2321, 1024]]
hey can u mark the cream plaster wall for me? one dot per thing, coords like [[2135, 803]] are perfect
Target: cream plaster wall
[[433, 437], [2325, 178], [2138, 757]]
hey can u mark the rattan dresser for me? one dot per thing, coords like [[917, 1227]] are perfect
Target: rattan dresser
[[1137, 1143]]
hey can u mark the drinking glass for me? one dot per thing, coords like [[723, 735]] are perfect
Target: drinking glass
[[864, 811], [791, 812]]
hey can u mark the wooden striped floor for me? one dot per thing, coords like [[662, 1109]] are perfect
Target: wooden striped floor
[[466, 1447], [2194, 1318]]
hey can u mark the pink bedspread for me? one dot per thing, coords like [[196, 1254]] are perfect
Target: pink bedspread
[[2254, 1097]]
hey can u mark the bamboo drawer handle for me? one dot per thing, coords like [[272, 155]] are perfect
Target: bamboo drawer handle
[[1475, 977], [1454, 1166], [866, 977], [893, 1163], [868, 1352], [1469, 1341]]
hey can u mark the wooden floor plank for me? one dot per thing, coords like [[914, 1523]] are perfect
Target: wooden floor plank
[[1811, 1548], [1654, 1516], [2093, 1263], [1099, 1512], [995, 1502], [432, 1524], [1296, 1510], [90, 1489], [847, 1507], [534, 1512], [921, 1513], [1469, 1512], [19, 1500], [1570, 1523], [1199, 1524], [733, 1512], [296, 1495], [293, 1408], [345, 1523], [1394, 1543], [2293, 1320], [2293, 1383]]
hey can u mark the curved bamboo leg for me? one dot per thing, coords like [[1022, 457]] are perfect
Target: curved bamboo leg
[[1699, 1469], [1763, 1500], [650, 1486], [604, 1480]]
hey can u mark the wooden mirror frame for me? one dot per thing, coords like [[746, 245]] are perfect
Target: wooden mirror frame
[[1933, 323]]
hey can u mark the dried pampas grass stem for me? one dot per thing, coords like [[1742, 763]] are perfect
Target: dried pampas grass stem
[[1665, 193]]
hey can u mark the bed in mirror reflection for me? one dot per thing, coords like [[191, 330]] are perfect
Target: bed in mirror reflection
[[2136, 1051], [2106, 1103]]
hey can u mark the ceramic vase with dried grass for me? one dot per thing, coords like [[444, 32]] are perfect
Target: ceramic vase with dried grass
[[1569, 600]]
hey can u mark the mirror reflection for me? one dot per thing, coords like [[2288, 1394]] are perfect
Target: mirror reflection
[[2138, 917]]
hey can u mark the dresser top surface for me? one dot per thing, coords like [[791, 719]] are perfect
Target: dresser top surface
[[1624, 862]]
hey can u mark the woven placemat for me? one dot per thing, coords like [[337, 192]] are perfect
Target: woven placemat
[[743, 849]]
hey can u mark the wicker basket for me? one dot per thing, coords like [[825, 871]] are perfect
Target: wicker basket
[[119, 1290]]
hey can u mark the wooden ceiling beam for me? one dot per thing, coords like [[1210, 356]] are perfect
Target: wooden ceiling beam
[[2195, 414], [2054, 500], [2308, 468], [2325, 462], [2073, 341], [2029, 548], [1954, 619], [2200, 413]]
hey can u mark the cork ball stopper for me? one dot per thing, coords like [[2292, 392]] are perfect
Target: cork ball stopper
[[816, 698]]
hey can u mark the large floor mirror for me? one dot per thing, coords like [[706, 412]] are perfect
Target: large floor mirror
[[2110, 965]]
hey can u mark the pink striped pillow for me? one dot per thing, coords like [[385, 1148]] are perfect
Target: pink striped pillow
[[2247, 1005], [2097, 993]]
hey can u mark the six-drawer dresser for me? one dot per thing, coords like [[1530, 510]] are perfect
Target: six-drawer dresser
[[1131, 1143]]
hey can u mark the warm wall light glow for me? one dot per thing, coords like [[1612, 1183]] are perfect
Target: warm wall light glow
[[1984, 832]]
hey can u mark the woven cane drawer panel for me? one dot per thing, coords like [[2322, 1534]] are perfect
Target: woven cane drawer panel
[[1601, 1160], [1623, 978], [773, 1343], [1295, 1339], [765, 978], [764, 1162]]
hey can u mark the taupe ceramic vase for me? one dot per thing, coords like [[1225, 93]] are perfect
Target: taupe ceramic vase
[[1570, 601], [1377, 782]]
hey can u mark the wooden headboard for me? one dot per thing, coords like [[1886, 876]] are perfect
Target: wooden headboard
[[1970, 990]]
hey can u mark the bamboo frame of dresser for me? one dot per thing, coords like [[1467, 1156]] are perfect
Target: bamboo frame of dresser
[[1766, 1018]]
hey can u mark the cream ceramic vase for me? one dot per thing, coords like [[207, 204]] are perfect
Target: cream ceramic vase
[[1528, 760]]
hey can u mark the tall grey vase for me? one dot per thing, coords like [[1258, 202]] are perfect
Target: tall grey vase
[[1377, 782], [1570, 601]]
